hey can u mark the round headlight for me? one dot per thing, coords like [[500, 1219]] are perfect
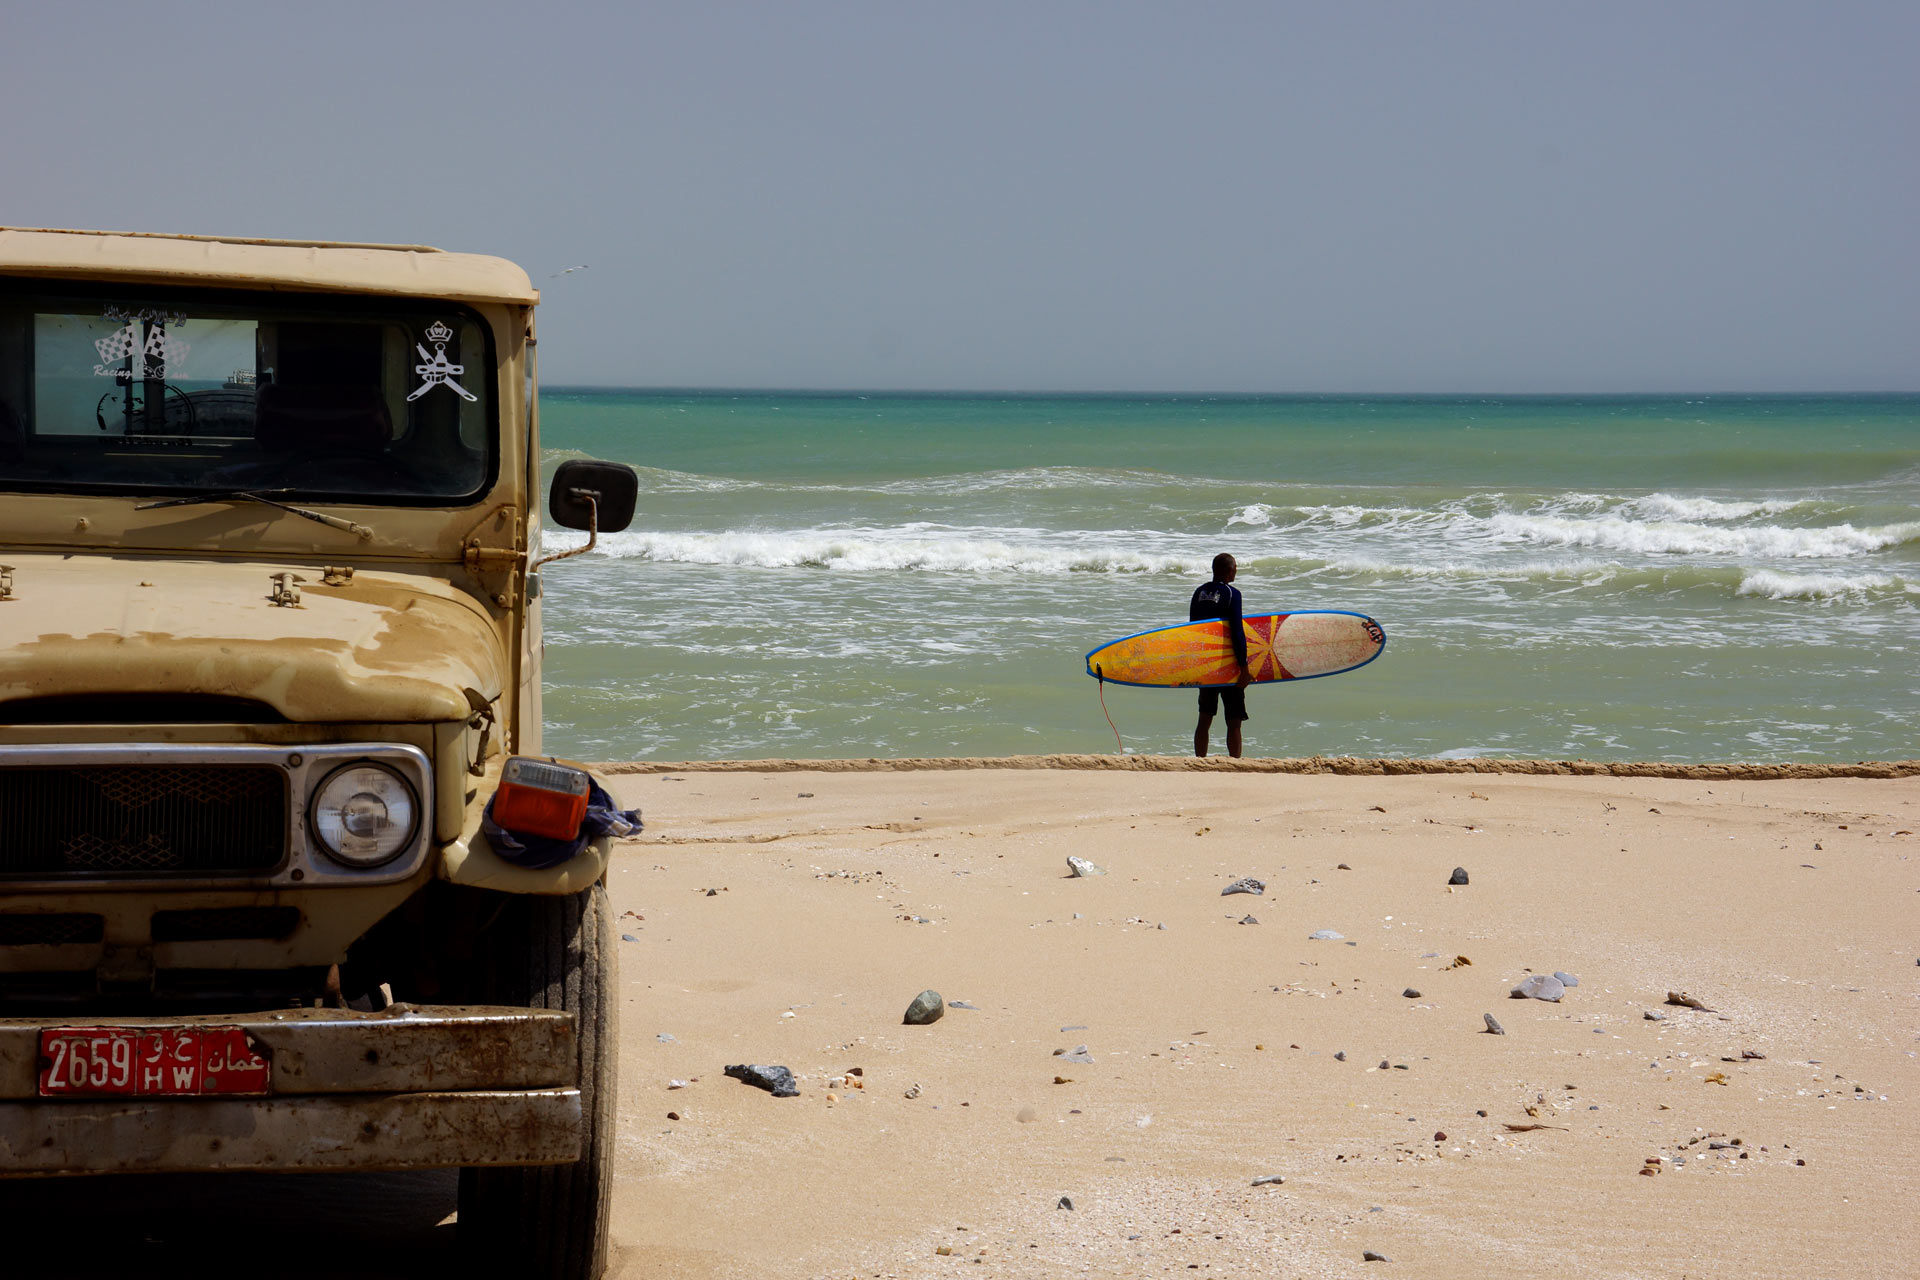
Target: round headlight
[[363, 815]]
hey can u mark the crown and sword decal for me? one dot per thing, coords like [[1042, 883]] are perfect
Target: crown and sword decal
[[438, 371]]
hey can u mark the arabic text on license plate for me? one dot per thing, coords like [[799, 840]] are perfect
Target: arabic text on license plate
[[151, 1061]]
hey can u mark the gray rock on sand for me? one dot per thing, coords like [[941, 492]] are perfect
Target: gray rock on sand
[[1340, 1056], [1566, 979], [1459, 876], [1539, 986], [1410, 994], [1078, 1053], [1493, 1027], [1268, 1180], [775, 1080], [1081, 867], [926, 1007], [1368, 1255], [1066, 1202], [1246, 884], [1248, 920], [1326, 935]]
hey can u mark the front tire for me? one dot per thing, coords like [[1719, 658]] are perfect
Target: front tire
[[551, 1222]]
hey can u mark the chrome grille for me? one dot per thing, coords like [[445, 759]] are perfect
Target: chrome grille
[[141, 820]]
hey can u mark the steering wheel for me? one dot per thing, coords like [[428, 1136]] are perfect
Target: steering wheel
[[139, 410]]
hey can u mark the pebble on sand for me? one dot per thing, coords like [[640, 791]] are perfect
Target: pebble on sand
[[1566, 979], [1326, 935], [1370, 1256], [1246, 884], [1411, 994], [1066, 1202], [1247, 919], [1268, 1180], [1459, 876], [1493, 1027], [926, 1007], [775, 1080], [1539, 986], [1686, 1001], [1081, 867]]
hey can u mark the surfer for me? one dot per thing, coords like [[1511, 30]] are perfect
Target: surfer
[[1221, 599]]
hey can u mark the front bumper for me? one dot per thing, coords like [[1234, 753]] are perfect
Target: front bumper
[[411, 1087]]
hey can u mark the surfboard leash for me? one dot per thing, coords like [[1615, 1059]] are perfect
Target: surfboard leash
[[1100, 678]]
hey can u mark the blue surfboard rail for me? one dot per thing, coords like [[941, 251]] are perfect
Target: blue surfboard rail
[[1278, 613]]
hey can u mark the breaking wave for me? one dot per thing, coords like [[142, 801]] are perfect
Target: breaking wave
[[1820, 586], [1614, 533], [881, 550]]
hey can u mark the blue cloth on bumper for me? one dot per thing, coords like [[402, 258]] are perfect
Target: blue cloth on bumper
[[537, 853]]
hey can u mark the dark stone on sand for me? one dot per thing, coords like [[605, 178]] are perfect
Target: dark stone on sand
[[1340, 1056], [775, 1080], [1066, 1202], [1369, 1255], [1248, 920], [1268, 1180], [1459, 876], [1411, 994], [926, 1007], [1246, 884]]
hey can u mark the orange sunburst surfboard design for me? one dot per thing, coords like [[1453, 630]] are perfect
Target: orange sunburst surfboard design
[[1280, 646]]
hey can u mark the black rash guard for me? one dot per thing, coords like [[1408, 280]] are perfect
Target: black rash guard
[[1222, 600]]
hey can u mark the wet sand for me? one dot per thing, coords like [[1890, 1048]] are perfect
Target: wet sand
[[789, 917]]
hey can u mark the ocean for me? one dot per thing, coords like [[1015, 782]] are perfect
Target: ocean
[[1674, 578]]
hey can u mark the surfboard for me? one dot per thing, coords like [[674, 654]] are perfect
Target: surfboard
[[1280, 646]]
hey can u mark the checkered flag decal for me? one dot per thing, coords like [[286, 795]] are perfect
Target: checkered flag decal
[[119, 344], [165, 347]]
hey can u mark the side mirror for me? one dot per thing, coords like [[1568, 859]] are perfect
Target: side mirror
[[613, 486]]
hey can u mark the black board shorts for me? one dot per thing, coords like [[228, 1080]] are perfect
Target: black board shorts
[[1236, 699]]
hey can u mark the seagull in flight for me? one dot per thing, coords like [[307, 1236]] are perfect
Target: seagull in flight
[[569, 271]]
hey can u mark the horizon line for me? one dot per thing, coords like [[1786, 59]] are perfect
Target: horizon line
[[715, 389]]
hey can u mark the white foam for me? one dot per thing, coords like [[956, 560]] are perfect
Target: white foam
[[1257, 514], [1614, 533], [882, 550], [1812, 586], [1667, 506]]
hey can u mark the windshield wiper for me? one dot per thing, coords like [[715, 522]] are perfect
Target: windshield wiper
[[240, 495]]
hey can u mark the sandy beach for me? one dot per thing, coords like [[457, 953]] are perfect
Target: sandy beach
[[790, 918], [787, 914]]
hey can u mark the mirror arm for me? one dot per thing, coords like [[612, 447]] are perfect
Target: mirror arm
[[592, 499]]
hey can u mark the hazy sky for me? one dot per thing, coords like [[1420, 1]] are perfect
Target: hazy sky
[[1109, 196]]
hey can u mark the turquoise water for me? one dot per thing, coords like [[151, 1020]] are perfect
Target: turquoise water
[[1664, 578]]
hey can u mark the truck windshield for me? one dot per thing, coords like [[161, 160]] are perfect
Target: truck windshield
[[133, 392]]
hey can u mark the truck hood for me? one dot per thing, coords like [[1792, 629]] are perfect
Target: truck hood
[[381, 647]]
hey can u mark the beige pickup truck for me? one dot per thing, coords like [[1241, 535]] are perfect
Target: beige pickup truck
[[269, 633]]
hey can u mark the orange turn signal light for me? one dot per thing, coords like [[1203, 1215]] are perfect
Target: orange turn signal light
[[541, 798]]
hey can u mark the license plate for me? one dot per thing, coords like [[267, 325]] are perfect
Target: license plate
[[151, 1062]]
